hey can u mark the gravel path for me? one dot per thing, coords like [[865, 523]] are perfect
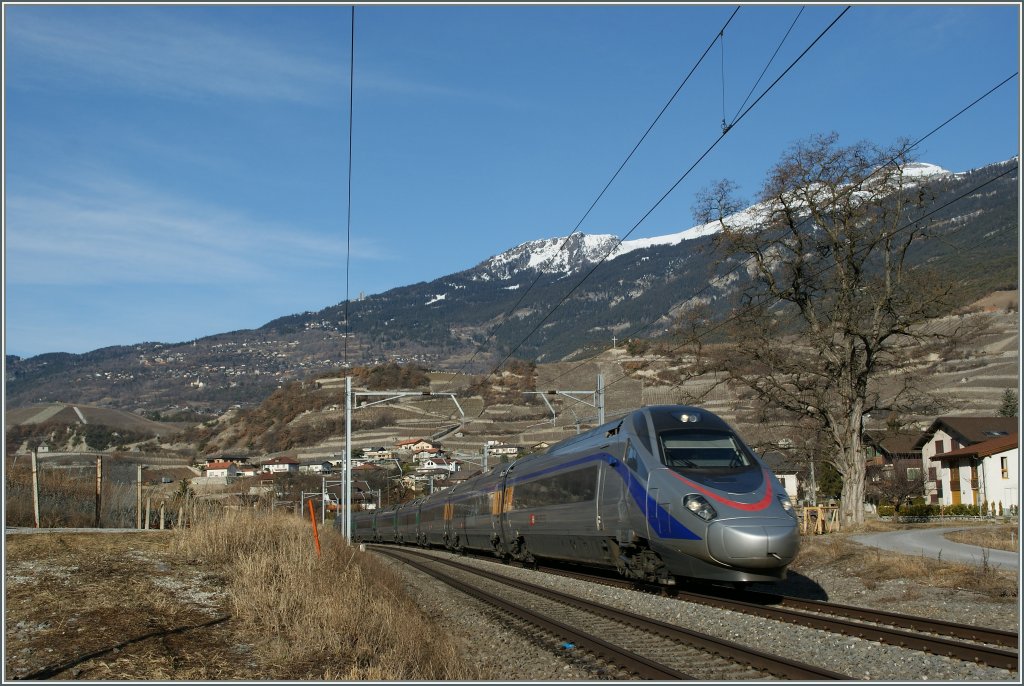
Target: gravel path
[[510, 652]]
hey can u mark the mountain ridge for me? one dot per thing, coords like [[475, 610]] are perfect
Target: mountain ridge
[[444, 322]]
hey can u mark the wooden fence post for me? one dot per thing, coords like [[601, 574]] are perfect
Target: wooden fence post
[[149, 503], [99, 489], [35, 489], [138, 500], [162, 503]]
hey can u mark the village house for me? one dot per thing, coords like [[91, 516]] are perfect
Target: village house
[[214, 469], [276, 465], [316, 467], [499, 449], [786, 472], [414, 445], [953, 481], [984, 473], [426, 454], [437, 466], [891, 450]]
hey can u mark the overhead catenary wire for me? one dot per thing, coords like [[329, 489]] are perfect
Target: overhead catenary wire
[[724, 322], [707, 286], [763, 72], [607, 185], [909, 224], [665, 195]]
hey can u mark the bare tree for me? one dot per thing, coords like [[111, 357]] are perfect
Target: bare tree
[[829, 303], [895, 484]]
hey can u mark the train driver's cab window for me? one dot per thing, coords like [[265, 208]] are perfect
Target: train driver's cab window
[[683, 450]]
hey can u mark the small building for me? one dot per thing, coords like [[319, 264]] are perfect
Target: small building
[[414, 445], [502, 450], [984, 474], [318, 467], [786, 473], [278, 465], [947, 434], [221, 468]]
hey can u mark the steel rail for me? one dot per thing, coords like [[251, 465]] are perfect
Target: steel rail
[[839, 618], [970, 652], [636, 664], [778, 666], [925, 624]]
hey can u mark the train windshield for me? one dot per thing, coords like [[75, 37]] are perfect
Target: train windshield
[[685, 450]]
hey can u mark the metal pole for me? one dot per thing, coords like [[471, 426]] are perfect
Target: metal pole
[[323, 499], [35, 489], [99, 489], [347, 485], [138, 500], [600, 399], [487, 450]]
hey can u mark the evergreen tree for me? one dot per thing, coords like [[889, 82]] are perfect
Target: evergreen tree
[[1009, 406]]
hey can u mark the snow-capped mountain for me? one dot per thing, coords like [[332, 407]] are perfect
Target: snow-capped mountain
[[576, 252], [443, 323]]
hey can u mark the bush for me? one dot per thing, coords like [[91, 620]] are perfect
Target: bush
[[918, 510], [962, 510]]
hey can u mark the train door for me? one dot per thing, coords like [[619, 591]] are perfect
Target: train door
[[656, 511], [613, 505]]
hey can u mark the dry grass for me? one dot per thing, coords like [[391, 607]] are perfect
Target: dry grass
[[1003, 537], [340, 616], [67, 498], [873, 565]]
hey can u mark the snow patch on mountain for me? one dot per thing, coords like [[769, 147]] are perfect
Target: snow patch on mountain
[[567, 255]]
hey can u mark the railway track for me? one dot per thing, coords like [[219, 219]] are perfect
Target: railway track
[[992, 647], [640, 646]]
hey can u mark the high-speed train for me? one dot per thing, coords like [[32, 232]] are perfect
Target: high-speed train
[[665, 493]]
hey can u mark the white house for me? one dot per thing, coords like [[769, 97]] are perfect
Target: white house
[[324, 467], [436, 464], [277, 465], [983, 473], [414, 445], [499, 448], [947, 434], [222, 468]]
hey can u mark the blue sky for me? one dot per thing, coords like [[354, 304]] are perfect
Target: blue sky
[[176, 171]]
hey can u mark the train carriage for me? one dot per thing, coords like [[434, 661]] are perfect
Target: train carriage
[[363, 525], [407, 522], [475, 510], [433, 525]]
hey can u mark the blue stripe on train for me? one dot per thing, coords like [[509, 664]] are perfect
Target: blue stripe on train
[[658, 518]]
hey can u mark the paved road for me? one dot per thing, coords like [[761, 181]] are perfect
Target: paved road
[[932, 543]]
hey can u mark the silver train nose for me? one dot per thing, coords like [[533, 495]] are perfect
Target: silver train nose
[[766, 544]]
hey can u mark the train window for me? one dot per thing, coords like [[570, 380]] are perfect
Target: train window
[[634, 462], [683, 450], [568, 487]]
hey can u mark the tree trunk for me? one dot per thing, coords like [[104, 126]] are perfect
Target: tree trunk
[[852, 506]]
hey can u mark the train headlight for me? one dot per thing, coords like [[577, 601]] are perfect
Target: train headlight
[[699, 506], [787, 504]]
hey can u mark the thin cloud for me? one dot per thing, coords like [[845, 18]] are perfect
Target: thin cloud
[[160, 54], [108, 230]]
